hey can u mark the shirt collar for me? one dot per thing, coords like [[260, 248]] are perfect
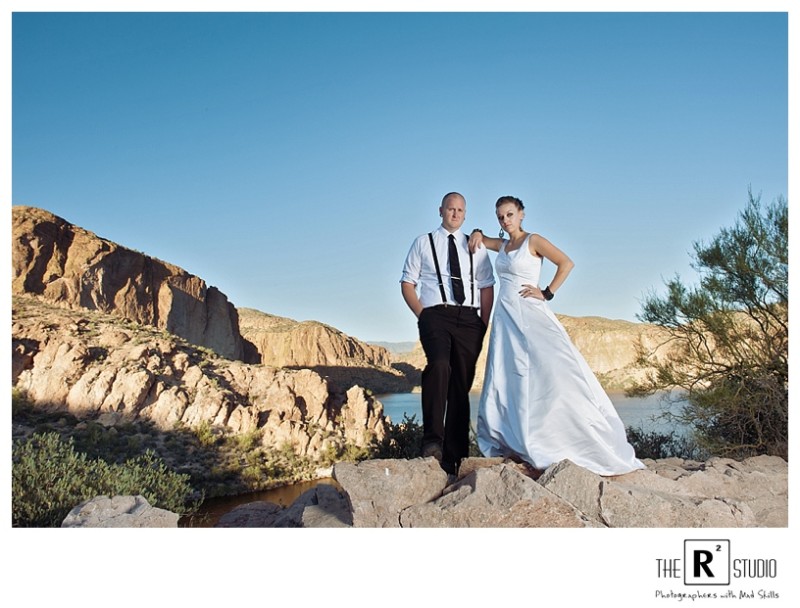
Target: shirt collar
[[443, 231]]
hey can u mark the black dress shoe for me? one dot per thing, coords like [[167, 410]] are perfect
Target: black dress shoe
[[432, 449]]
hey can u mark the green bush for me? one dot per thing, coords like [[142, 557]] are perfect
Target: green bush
[[49, 478], [205, 434], [655, 445], [403, 439]]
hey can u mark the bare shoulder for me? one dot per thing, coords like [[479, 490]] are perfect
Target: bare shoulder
[[536, 243]]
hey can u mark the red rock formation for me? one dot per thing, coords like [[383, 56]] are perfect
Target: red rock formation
[[71, 266]]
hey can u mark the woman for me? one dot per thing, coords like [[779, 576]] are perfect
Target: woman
[[540, 400]]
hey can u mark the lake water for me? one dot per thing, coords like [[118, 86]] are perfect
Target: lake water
[[637, 412], [214, 508]]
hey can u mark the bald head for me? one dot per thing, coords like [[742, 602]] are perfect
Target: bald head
[[453, 211]]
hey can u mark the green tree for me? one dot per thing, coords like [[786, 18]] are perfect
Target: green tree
[[728, 338]]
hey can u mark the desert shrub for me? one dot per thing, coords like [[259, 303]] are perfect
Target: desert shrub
[[403, 439], [49, 478], [245, 442], [728, 337], [655, 445], [205, 434]]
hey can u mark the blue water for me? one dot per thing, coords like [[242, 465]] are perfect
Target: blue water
[[637, 412]]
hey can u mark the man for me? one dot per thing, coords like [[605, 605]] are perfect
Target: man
[[451, 292]]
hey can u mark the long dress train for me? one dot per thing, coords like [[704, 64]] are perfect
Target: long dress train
[[540, 400]]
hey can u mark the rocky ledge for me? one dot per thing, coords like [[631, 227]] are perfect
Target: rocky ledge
[[90, 365], [494, 493]]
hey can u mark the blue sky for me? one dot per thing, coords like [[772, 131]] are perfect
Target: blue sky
[[290, 158]]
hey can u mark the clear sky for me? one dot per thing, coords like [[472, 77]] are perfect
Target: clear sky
[[289, 159]]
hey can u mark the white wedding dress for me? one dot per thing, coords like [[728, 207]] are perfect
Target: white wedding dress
[[540, 400]]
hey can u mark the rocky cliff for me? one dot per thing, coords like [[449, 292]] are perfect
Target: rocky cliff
[[285, 342], [348, 362], [72, 267], [90, 364], [68, 265]]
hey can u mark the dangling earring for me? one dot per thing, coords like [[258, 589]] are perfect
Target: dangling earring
[[502, 233]]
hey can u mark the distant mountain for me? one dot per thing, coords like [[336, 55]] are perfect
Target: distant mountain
[[396, 348], [284, 342]]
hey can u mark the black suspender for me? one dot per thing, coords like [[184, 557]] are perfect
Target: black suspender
[[436, 264], [471, 274], [439, 272]]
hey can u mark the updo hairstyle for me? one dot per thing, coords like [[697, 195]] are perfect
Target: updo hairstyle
[[509, 199]]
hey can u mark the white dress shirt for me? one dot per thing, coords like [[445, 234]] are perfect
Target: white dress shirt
[[420, 270]]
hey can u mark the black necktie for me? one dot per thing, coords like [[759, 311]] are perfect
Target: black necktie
[[455, 271]]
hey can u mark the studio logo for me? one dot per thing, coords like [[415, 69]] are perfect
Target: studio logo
[[707, 562], [708, 570]]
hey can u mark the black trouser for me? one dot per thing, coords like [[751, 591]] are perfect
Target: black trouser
[[451, 337]]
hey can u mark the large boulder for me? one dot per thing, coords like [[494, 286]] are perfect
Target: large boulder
[[643, 499], [119, 512], [378, 490], [495, 497]]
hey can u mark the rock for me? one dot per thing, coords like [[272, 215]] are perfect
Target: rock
[[257, 514], [167, 381], [119, 512], [578, 486], [626, 505], [495, 497], [468, 465], [695, 498], [378, 490], [755, 488], [491, 492], [320, 507]]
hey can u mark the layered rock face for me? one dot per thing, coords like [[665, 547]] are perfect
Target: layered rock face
[[285, 342], [90, 364], [345, 360], [71, 266]]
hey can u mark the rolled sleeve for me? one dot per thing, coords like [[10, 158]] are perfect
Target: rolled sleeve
[[412, 269], [484, 275]]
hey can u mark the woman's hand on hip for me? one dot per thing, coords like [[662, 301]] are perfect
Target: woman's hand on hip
[[531, 291]]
